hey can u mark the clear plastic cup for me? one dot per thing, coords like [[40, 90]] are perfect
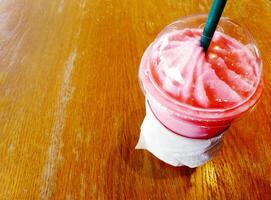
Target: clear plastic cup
[[187, 120]]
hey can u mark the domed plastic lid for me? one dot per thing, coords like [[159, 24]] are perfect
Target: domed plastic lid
[[225, 82]]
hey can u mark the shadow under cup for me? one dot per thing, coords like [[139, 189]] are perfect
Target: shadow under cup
[[185, 119]]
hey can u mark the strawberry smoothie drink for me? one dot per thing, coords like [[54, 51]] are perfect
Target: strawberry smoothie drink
[[196, 94]]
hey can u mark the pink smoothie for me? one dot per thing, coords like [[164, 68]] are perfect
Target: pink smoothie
[[195, 94]]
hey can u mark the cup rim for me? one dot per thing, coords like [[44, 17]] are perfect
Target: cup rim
[[193, 112]]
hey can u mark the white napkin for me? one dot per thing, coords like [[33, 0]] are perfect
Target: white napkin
[[174, 149]]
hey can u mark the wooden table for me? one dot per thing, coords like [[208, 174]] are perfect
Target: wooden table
[[71, 106]]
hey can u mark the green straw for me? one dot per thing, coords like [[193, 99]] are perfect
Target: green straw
[[211, 23]]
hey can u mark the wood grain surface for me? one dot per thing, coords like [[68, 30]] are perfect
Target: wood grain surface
[[71, 106]]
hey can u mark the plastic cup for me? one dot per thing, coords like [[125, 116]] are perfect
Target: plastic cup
[[188, 120]]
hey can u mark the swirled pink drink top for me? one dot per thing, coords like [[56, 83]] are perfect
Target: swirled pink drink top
[[223, 78]]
